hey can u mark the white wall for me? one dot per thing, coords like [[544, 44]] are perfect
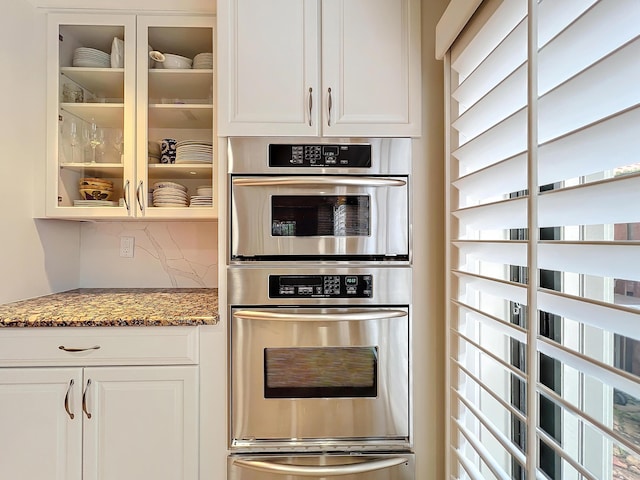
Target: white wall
[[37, 257], [428, 260]]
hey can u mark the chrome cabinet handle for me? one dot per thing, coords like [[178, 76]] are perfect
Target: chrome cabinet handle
[[84, 399], [310, 104], [126, 196], [66, 400], [313, 181], [330, 104], [321, 470], [320, 316], [140, 202], [70, 349]]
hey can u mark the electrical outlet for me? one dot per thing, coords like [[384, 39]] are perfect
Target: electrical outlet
[[126, 247]]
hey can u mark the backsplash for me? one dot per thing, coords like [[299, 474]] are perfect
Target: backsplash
[[166, 254]]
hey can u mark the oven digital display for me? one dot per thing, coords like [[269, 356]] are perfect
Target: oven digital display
[[314, 155], [320, 372]]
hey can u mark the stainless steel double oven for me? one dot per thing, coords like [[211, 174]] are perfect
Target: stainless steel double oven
[[319, 296]]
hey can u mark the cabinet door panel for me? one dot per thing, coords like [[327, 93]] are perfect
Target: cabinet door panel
[[143, 423], [271, 54], [38, 438], [370, 53]]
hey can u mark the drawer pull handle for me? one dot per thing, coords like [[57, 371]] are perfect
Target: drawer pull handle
[[67, 349], [66, 401], [84, 399]]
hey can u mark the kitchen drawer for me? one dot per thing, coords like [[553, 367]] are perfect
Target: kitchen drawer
[[98, 346]]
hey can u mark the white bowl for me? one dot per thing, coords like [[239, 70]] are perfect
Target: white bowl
[[174, 61]]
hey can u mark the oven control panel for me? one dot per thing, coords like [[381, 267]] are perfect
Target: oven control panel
[[323, 155], [325, 286]]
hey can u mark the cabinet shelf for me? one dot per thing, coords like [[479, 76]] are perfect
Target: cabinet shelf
[[94, 169], [185, 83], [106, 115], [180, 172], [196, 116], [102, 82]]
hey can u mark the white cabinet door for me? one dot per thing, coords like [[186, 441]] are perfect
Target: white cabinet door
[[143, 423], [269, 67], [371, 67], [38, 437]]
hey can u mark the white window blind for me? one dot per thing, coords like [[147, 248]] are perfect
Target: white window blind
[[543, 199]]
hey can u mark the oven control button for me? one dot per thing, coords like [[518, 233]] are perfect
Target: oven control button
[[305, 290]]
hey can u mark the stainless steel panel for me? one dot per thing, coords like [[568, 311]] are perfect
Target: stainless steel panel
[[251, 216], [305, 467], [248, 155], [248, 285], [337, 423]]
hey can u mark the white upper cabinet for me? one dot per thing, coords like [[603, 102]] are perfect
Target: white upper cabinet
[[319, 67], [109, 108]]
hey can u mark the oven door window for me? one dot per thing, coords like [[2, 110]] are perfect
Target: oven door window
[[322, 372], [320, 215]]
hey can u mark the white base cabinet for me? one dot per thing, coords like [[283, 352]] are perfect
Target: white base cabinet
[[111, 422]]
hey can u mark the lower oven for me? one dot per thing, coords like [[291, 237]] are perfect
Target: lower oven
[[320, 361]]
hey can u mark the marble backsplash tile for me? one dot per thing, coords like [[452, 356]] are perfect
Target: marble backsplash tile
[[166, 254]]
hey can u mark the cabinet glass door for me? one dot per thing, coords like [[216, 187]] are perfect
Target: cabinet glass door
[[93, 63], [176, 145]]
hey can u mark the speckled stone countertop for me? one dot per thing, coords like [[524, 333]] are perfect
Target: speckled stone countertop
[[115, 307]]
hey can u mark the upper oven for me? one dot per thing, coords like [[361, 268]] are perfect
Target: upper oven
[[319, 199]]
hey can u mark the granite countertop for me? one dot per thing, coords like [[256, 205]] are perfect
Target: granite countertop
[[114, 307]]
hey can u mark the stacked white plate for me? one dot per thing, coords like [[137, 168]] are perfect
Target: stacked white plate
[[91, 57], [203, 197], [94, 203], [194, 151], [203, 60], [170, 194]]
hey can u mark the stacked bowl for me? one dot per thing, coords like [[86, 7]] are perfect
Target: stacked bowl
[[95, 188], [170, 194]]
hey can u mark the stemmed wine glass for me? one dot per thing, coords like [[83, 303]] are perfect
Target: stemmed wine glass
[[74, 138], [118, 142], [94, 136]]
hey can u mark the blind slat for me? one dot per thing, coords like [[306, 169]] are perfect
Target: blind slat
[[605, 202], [602, 146], [511, 252], [618, 320], [603, 259], [494, 323], [498, 288], [499, 215]]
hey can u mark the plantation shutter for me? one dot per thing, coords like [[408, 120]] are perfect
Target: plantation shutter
[[543, 236]]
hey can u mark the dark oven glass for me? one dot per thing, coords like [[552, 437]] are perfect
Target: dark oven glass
[[320, 215], [320, 372]]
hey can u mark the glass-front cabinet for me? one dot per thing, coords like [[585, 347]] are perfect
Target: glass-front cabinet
[[130, 117]]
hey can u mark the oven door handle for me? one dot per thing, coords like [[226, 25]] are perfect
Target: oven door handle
[[320, 317], [321, 470], [315, 181]]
